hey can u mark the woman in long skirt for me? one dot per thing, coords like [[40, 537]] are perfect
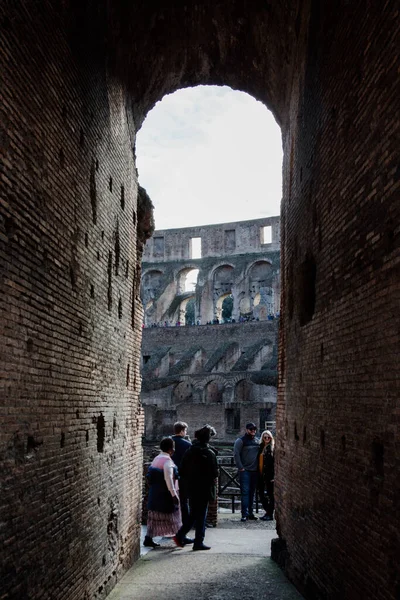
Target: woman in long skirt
[[164, 513]]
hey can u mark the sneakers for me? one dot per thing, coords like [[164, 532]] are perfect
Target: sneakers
[[187, 540], [201, 547], [266, 518], [243, 519], [150, 543]]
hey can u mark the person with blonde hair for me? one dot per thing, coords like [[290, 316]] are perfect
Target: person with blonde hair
[[266, 474]]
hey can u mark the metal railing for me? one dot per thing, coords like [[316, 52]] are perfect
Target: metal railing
[[228, 484]]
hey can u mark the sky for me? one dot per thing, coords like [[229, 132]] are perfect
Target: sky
[[208, 155]]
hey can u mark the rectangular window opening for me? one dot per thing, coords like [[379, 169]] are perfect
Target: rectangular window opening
[[266, 234], [146, 358], [195, 247], [158, 247], [230, 240], [232, 419]]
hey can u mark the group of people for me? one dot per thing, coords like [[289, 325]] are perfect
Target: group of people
[[182, 480], [215, 321], [254, 459]]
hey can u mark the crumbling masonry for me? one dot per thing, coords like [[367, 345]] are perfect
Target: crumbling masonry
[[77, 80], [217, 368]]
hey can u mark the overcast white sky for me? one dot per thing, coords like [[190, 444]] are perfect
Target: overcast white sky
[[210, 155]]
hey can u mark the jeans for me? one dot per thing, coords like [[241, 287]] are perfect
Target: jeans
[[248, 485], [197, 517]]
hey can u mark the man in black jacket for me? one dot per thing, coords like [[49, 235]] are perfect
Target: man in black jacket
[[182, 444], [198, 472]]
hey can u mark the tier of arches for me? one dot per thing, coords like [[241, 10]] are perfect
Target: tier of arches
[[216, 391], [192, 295]]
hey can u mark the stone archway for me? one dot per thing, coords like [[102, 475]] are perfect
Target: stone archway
[[81, 78]]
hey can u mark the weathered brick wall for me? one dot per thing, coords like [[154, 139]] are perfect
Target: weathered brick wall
[[338, 453], [70, 419], [329, 71]]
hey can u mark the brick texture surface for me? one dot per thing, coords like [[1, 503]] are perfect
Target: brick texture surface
[[338, 404], [71, 424], [77, 77]]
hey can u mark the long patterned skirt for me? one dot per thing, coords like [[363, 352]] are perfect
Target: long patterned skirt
[[163, 524]]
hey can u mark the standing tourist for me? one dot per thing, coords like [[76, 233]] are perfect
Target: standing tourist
[[181, 446], [181, 442], [246, 456], [164, 515], [199, 472], [266, 474]]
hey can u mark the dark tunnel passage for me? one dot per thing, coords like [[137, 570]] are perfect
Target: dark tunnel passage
[[79, 79]]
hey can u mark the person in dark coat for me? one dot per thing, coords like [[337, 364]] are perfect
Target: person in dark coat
[[182, 444], [198, 472], [266, 474]]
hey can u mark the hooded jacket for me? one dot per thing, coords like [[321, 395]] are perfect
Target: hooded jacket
[[198, 471]]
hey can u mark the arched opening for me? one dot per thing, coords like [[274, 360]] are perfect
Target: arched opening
[[67, 231], [187, 150], [223, 278], [191, 280], [226, 309], [186, 280], [214, 392], [150, 290], [182, 392], [261, 292], [244, 391]]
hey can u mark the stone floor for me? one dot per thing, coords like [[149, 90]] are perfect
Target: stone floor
[[237, 567]]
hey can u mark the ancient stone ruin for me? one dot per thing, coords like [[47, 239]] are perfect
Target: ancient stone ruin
[[213, 364], [77, 81]]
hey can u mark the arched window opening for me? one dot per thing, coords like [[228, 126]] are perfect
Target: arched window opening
[[243, 391], [191, 280], [187, 280], [151, 288], [224, 308], [227, 308], [261, 291], [214, 392], [182, 392], [222, 288], [187, 150]]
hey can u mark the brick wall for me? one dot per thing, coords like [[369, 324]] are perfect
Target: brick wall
[[329, 71], [339, 379], [70, 424]]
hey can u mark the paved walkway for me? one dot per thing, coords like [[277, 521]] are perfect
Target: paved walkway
[[238, 567]]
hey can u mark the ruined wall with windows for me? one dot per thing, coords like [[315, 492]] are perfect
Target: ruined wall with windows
[[239, 261], [218, 363]]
